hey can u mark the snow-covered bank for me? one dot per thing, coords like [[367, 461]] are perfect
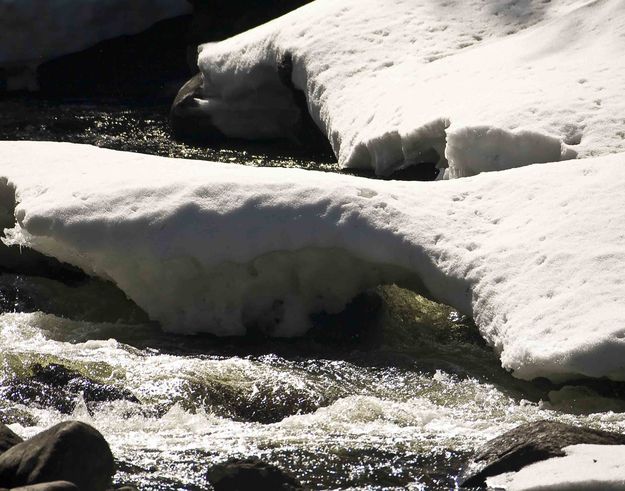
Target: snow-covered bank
[[485, 84], [585, 467], [536, 255], [35, 31]]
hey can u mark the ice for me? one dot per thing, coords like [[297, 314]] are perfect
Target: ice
[[584, 467], [536, 255], [487, 84], [35, 31]]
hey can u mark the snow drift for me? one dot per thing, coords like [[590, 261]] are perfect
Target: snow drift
[[479, 85], [536, 254], [35, 31], [584, 467]]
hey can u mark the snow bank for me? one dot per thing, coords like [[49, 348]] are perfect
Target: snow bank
[[536, 254], [585, 467], [34, 31], [487, 84]]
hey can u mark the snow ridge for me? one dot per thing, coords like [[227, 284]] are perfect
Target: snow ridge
[[536, 255], [484, 84]]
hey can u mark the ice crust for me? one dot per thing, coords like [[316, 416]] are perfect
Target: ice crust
[[488, 84], [535, 254], [583, 468], [35, 31]]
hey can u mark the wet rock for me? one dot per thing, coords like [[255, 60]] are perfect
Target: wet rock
[[8, 438], [11, 414], [531, 443], [58, 387], [259, 403], [70, 451], [188, 121], [48, 486], [251, 474]]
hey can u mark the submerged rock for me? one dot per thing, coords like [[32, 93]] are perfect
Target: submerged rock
[[531, 443], [58, 387], [70, 451], [48, 486], [8, 438], [251, 474]]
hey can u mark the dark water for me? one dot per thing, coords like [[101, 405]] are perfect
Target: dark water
[[137, 125]]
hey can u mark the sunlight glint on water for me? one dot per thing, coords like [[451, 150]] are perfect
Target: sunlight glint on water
[[334, 423]]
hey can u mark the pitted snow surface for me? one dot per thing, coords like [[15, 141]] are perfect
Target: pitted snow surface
[[487, 84]]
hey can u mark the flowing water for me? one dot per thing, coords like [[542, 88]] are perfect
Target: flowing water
[[394, 393], [402, 405]]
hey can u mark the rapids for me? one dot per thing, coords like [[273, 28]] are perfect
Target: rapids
[[399, 401]]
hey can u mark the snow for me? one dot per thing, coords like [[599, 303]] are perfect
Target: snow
[[35, 31], [487, 84], [535, 254], [584, 468]]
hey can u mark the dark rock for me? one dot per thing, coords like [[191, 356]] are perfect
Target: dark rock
[[71, 451], [262, 404], [250, 474], [186, 118], [531, 443], [49, 486], [8, 438]]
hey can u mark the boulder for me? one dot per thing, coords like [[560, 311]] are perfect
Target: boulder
[[69, 451], [530, 443], [251, 474], [8, 438]]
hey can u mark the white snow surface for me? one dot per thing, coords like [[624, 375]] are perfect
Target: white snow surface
[[488, 84], [34, 31], [583, 468], [535, 254]]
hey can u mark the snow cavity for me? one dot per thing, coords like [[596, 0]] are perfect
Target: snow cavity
[[221, 247], [474, 86]]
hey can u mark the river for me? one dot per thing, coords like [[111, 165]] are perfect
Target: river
[[395, 393]]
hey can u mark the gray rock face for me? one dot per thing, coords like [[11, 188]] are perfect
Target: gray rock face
[[69, 451], [531, 443], [251, 475], [8, 438]]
